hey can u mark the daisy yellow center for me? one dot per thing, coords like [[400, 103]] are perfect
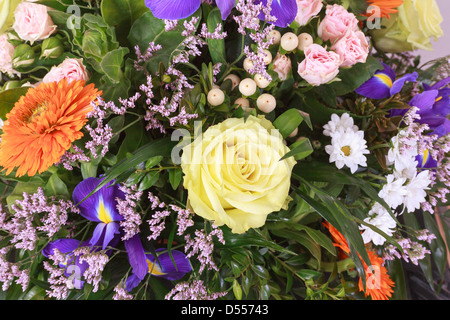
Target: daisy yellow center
[[346, 150]]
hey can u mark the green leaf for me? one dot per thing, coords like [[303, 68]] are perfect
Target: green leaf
[[318, 237], [121, 14], [125, 166], [148, 29], [437, 246], [55, 186], [30, 186], [288, 121], [153, 162], [237, 290], [248, 239], [307, 274], [355, 76], [175, 176], [312, 246], [8, 98], [112, 62], [216, 47], [149, 180], [299, 149]]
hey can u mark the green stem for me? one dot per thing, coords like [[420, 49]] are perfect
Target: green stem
[[128, 125]]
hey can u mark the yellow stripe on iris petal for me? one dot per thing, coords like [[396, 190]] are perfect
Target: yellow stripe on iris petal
[[438, 98], [154, 269], [385, 79], [103, 214], [425, 156]]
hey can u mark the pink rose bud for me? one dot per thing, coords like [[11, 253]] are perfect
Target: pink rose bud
[[319, 66], [282, 65], [6, 54], [336, 23], [70, 69], [307, 9], [32, 22], [352, 48]]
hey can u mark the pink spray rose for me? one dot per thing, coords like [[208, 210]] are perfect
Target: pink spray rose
[[352, 48], [282, 65], [307, 9], [70, 69], [319, 66], [6, 53], [32, 22], [336, 23]]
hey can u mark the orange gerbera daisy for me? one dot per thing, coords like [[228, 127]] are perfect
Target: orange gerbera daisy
[[386, 7], [43, 124], [378, 283]]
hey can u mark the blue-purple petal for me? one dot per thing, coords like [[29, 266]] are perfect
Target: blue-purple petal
[[173, 9], [284, 10], [225, 7], [399, 83], [442, 105], [426, 161], [63, 245], [136, 256], [111, 230], [106, 197], [424, 101], [441, 83], [374, 88], [132, 282], [173, 269]]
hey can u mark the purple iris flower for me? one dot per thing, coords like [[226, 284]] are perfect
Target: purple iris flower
[[180, 9], [284, 10], [163, 266], [73, 267], [434, 107], [100, 207], [383, 84]]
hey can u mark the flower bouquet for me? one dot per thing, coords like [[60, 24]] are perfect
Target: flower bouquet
[[229, 150]]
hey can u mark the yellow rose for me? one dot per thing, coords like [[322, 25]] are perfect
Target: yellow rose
[[234, 175], [416, 22], [7, 8]]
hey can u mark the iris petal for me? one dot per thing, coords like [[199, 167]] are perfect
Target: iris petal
[[399, 83], [375, 88], [104, 199], [284, 10], [170, 269], [173, 9], [225, 7], [136, 256], [63, 245], [425, 160]]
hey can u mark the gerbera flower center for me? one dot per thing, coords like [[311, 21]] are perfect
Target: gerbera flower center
[[36, 112], [346, 150]]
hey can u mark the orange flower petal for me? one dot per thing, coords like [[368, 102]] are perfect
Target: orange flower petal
[[43, 124]]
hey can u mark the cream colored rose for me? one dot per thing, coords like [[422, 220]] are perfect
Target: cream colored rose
[[233, 173], [413, 27]]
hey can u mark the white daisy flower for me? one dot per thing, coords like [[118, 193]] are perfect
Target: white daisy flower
[[394, 191], [345, 121], [416, 193], [348, 148], [380, 218]]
